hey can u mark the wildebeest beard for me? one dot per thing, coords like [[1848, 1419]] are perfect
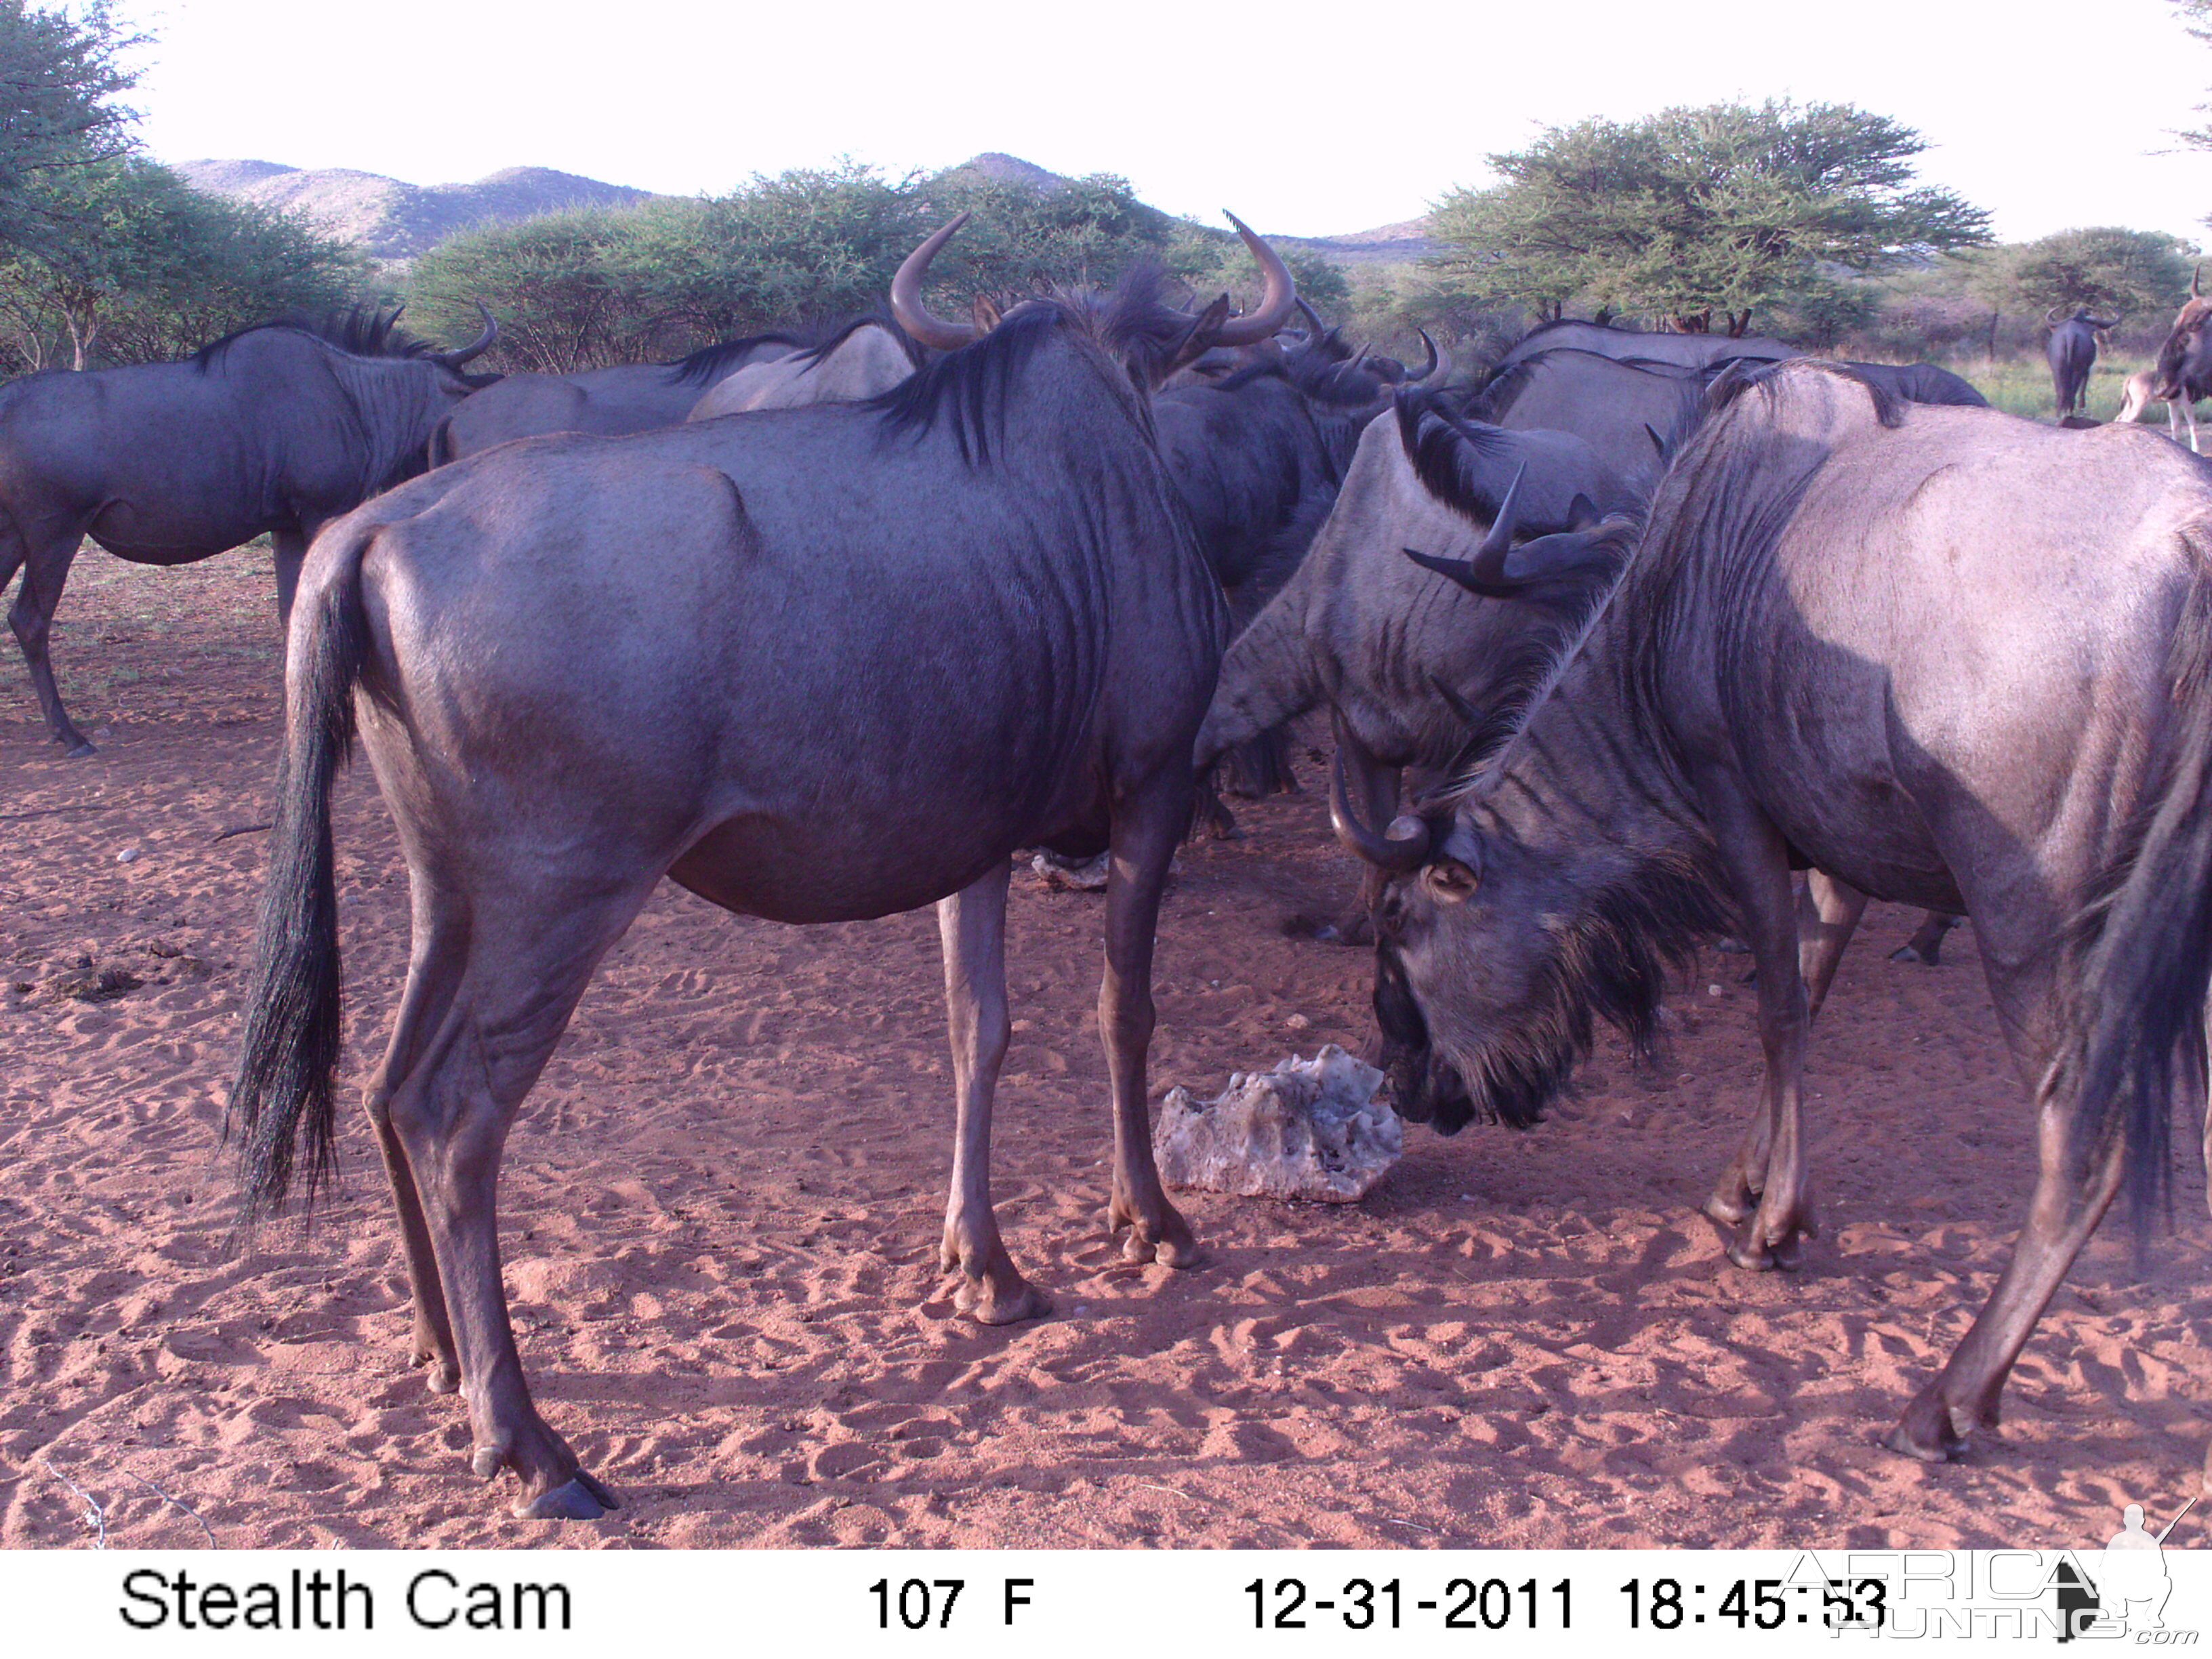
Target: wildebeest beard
[[1610, 963]]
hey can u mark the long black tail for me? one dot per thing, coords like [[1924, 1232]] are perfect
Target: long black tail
[[287, 1065], [2135, 1033]]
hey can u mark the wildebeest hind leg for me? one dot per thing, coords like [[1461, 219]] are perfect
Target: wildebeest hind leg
[[1926, 944], [2068, 1203], [439, 954], [1145, 825], [487, 1018], [1826, 918], [972, 924]]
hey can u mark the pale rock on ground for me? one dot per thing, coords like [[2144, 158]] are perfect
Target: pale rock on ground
[[1310, 1128]]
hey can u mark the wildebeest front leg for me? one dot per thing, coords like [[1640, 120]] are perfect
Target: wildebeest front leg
[[972, 924], [2068, 1203], [1771, 1166], [1826, 920], [45, 560], [1144, 829]]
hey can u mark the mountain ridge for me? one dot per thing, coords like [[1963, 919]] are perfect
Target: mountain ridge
[[390, 219]]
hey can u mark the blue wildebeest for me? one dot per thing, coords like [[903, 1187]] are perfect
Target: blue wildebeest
[[276, 429], [605, 403], [868, 355], [1257, 458], [581, 663], [1403, 660], [2184, 361], [1682, 350], [2072, 353], [1631, 413], [1795, 667]]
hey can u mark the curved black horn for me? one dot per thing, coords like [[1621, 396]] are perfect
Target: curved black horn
[[1439, 367], [459, 359], [1399, 855], [913, 315], [1315, 327], [2196, 278], [1275, 301], [1484, 573]]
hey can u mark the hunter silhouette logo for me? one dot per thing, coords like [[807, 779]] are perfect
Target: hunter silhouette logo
[[2129, 1593]]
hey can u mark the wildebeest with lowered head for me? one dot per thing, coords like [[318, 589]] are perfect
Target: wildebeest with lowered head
[[1953, 658], [1401, 653], [816, 665], [274, 430], [2072, 353], [604, 402]]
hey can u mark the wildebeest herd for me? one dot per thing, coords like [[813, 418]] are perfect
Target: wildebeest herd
[[1647, 621]]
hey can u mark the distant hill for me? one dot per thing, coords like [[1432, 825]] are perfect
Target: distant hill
[[392, 219]]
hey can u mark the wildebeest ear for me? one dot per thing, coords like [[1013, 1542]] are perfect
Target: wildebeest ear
[[1199, 338], [986, 313], [1450, 880], [1581, 513]]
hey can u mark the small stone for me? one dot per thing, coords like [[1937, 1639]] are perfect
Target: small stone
[[1712, 990], [1087, 876], [128, 855], [1310, 1128], [1298, 1023]]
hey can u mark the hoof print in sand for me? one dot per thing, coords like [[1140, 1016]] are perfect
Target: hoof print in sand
[[1310, 1128]]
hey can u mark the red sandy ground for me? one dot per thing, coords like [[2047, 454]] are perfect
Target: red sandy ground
[[722, 1204]]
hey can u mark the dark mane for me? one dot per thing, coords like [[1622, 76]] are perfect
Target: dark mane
[[712, 363], [872, 318], [1438, 444], [1500, 387], [1741, 374], [357, 331], [1132, 322], [968, 389], [1578, 322]]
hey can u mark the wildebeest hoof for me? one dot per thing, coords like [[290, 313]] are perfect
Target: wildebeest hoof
[[82, 751], [488, 1460], [1730, 1206], [988, 1302], [580, 1499], [1904, 953], [1925, 1432], [439, 1374]]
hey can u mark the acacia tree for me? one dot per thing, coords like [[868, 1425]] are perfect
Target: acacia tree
[[1690, 214], [594, 287], [2104, 269]]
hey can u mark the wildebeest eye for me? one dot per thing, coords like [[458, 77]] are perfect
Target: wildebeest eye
[[1451, 881]]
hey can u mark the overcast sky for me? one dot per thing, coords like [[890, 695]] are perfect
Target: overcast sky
[[1338, 119]]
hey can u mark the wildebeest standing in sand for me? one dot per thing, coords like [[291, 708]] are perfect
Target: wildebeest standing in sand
[[1954, 659], [580, 665], [2072, 352], [276, 429]]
